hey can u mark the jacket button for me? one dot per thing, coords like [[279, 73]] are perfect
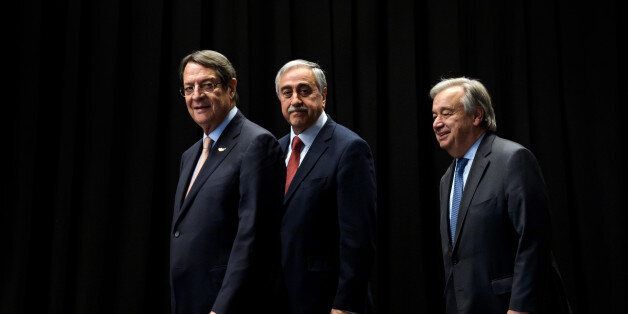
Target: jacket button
[[454, 260], [176, 234]]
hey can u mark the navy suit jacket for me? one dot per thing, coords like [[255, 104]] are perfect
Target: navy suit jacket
[[328, 229], [226, 231], [501, 255]]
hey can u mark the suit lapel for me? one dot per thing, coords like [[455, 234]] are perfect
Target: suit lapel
[[478, 168], [186, 172], [445, 191], [283, 143], [319, 146], [218, 153]]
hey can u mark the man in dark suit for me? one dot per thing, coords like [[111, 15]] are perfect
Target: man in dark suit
[[495, 225], [225, 227], [328, 228]]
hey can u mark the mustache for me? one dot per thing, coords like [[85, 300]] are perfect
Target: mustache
[[292, 109]]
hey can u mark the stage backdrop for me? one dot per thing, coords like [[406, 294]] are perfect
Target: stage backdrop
[[95, 128]]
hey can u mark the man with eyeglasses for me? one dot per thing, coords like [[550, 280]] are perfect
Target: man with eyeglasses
[[224, 239], [328, 228]]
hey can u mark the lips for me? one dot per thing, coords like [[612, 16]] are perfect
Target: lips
[[441, 135], [203, 108]]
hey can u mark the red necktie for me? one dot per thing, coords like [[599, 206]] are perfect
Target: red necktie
[[293, 163]]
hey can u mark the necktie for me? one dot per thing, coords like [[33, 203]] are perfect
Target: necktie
[[293, 163], [455, 202], [207, 143]]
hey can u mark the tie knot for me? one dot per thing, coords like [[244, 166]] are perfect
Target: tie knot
[[460, 164], [206, 142], [296, 143]]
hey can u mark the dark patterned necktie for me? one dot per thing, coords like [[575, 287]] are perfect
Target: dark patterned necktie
[[455, 202]]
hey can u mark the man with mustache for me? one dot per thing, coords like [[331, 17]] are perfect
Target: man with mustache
[[224, 241], [328, 228]]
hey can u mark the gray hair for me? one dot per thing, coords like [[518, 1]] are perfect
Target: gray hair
[[321, 81], [475, 95], [213, 60]]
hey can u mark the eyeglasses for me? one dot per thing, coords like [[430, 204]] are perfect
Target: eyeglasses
[[206, 87]]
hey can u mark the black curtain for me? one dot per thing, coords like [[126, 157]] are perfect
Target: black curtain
[[95, 128]]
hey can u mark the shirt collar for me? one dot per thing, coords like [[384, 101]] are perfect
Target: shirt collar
[[474, 148], [308, 136], [215, 134]]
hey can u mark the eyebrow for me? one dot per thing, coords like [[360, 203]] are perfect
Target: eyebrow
[[212, 80]]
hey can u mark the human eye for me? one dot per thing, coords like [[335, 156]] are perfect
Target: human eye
[[188, 90], [208, 87], [304, 91], [286, 93]]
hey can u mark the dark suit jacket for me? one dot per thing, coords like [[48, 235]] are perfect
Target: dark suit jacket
[[328, 229], [501, 256], [225, 232]]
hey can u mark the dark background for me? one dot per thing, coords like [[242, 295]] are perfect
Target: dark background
[[94, 130]]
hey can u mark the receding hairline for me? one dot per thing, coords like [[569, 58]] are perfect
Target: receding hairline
[[315, 69]]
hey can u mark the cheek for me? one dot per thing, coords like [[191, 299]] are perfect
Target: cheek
[[312, 106], [452, 129], [284, 106], [284, 109], [223, 100]]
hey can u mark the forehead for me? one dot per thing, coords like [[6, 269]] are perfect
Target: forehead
[[449, 97], [295, 76], [194, 71]]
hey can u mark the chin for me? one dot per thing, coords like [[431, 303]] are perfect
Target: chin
[[298, 123]]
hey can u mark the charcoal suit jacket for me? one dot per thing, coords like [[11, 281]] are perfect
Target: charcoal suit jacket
[[225, 234], [501, 256], [328, 229]]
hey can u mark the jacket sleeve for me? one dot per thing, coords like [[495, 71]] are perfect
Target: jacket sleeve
[[257, 238], [528, 212], [356, 201]]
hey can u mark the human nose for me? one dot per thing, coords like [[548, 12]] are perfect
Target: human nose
[[295, 99], [437, 123], [197, 92]]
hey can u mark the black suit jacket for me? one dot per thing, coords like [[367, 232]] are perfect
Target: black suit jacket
[[328, 229], [501, 257], [225, 232]]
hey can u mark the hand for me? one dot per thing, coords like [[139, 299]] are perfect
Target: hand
[[516, 312]]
